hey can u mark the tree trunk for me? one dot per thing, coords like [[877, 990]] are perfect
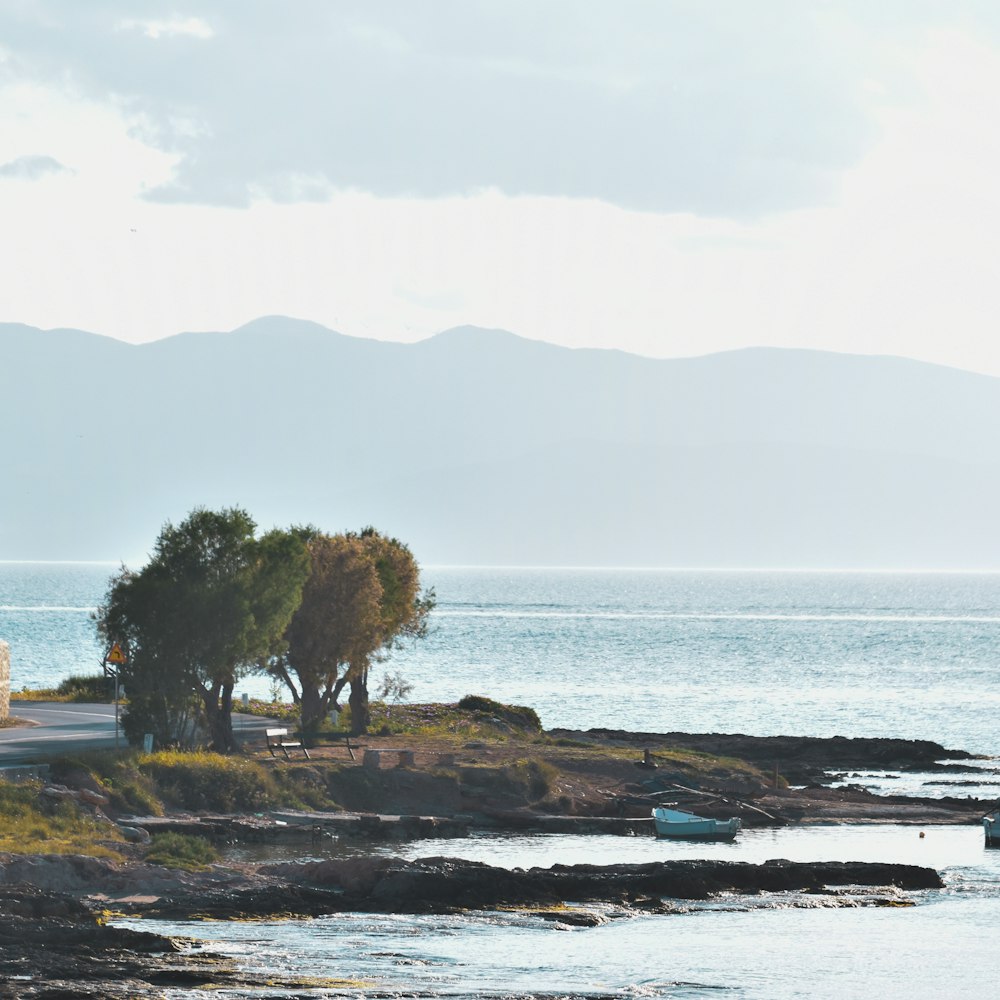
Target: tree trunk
[[359, 704], [337, 688], [218, 701], [280, 671], [311, 706]]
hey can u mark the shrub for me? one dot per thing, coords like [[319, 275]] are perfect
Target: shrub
[[212, 782], [534, 776], [179, 850], [89, 687], [517, 715], [111, 773]]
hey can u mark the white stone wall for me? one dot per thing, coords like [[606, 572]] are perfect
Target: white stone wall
[[4, 680]]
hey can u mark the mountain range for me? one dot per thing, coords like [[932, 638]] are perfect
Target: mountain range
[[480, 447]]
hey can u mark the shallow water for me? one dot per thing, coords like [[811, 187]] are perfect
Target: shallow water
[[941, 847], [976, 779], [768, 946]]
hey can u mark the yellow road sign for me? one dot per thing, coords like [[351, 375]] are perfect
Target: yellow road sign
[[116, 655]]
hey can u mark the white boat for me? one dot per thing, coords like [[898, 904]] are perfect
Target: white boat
[[677, 823], [991, 826]]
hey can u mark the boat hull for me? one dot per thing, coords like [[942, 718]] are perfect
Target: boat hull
[[991, 827], [676, 825]]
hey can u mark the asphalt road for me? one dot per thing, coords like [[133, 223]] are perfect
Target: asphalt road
[[68, 728]]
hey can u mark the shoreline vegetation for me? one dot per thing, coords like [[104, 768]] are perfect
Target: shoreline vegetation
[[141, 834]]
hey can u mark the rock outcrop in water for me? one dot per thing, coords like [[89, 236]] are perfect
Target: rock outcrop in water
[[55, 944], [798, 758], [446, 885]]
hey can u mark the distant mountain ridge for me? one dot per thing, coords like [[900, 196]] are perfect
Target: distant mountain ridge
[[477, 446]]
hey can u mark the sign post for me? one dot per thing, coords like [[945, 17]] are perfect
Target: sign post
[[114, 659]]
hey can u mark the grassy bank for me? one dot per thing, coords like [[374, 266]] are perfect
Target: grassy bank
[[34, 823], [475, 756]]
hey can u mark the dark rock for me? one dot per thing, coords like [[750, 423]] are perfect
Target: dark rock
[[798, 758], [442, 885]]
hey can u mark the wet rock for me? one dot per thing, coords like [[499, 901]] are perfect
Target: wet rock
[[442, 885], [45, 934], [571, 917]]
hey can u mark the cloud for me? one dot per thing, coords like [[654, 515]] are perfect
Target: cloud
[[729, 108], [193, 27], [31, 168]]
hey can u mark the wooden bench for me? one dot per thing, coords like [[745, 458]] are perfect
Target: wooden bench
[[276, 741], [345, 738]]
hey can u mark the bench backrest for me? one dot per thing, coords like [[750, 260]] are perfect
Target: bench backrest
[[276, 732]]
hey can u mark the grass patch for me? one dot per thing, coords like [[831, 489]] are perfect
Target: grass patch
[[114, 774], [196, 781], [179, 850], [521, 717], [201, 781], [471, 718], [530, 777], [37, 694], [34, 824], [284, 711]]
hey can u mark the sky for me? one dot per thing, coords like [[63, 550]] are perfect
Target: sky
[[665, 177]]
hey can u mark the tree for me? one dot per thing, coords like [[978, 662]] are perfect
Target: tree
[[337, 615], [361, 600], [210, 604], [404, 613]]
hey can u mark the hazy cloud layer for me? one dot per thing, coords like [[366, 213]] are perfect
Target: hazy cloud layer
[[31, 168], [726, 108]]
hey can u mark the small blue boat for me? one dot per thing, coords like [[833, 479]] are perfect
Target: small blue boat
[[676, 823]]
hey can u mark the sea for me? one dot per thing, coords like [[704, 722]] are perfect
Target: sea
[[912, 655]]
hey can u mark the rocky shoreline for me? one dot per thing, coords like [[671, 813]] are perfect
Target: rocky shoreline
[[53, 908], [45, 932]]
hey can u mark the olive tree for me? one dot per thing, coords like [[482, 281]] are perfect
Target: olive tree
[[212, 601], [332, 625], [362, 598]]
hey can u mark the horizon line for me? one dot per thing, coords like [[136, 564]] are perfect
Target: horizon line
[[548, 567]]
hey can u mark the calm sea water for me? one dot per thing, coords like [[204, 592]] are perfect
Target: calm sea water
[[771, 947], [856, 654]]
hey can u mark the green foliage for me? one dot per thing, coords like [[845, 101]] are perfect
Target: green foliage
[[179, 850], [502, 722], [284, 711], [112, 773], [33, 824], [86, 688], [211, 782], [65, 692], [209, 605], [333, 624], [361, 600], [144, 784], [394, 687], [520, 716]]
